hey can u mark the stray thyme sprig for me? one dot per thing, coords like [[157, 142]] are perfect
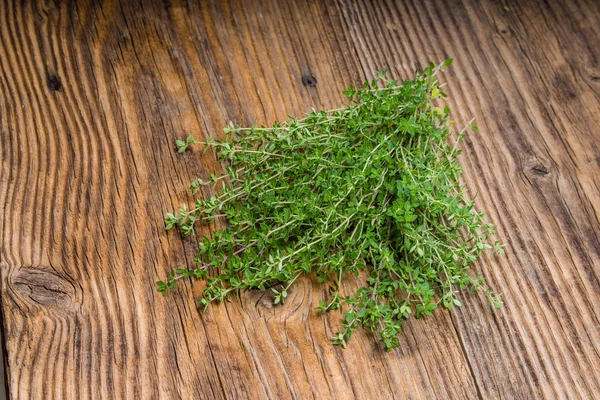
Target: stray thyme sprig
[[372, 186], [182, 146]]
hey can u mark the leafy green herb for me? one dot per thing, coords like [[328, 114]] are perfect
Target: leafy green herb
[[183, 146], [371, 186]]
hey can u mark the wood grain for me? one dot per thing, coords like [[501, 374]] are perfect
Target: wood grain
[[92, 97]]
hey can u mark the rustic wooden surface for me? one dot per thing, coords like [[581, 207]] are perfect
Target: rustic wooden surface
[[92, 97]]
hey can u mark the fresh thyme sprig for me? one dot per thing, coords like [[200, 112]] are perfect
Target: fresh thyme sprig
[[372, 186]]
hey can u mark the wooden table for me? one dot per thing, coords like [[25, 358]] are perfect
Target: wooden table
[[92, 97]]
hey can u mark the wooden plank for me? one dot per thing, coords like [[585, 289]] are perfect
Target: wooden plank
[[92, 97], [530, 77]]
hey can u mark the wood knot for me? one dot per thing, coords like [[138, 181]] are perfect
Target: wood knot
[[309, 80], [564, 87], [53, 82], [503, 31], [45, 287], [537, 169]]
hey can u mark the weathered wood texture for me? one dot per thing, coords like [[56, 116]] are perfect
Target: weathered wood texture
[[92, 97]]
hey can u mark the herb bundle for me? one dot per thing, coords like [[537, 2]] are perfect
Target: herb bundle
[[372, 186]]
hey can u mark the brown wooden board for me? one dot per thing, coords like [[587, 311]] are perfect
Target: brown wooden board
[[92, 98]]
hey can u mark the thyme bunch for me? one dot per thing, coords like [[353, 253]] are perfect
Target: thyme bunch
[[371, 186]]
